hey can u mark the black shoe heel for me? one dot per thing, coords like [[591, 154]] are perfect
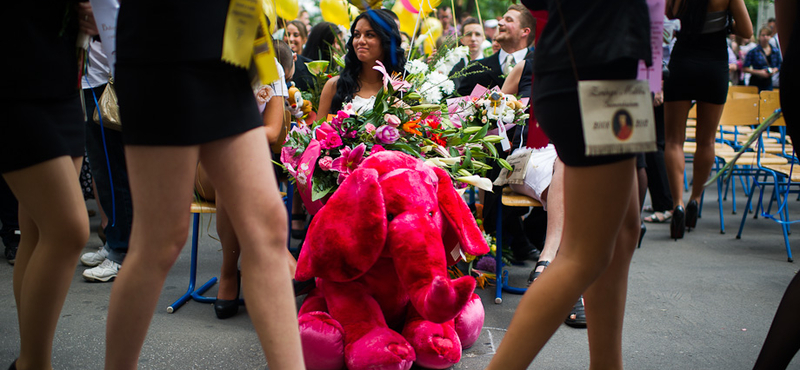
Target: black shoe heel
[[13, 365], [691, 214], [678, 225], [642, 230], [225, 308]]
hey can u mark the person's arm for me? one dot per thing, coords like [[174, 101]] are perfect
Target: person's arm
[[273, 119], [749, 64], [511, 85], [326, 98], [741, 20], [785, 14]]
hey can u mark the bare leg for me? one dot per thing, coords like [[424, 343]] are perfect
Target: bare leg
[[675, 115], [103, 216], [598, 193], [707, 121], [555, 214], [229, 274], [605, 298], [258, 217], [54, 229], [159, 231]]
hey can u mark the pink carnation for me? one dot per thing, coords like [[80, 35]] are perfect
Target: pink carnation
[[370, 128], [333, 140], [325, 163]]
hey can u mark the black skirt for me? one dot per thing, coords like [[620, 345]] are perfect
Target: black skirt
[[698, 69], [184, 103], [37, 130]]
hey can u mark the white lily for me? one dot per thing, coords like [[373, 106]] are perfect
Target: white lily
[[477, 181]]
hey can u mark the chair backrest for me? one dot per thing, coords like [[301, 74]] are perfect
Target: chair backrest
[[741, 111], [735, 91], [769, 102]]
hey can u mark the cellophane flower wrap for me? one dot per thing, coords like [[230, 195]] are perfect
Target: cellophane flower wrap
[[321, 156]]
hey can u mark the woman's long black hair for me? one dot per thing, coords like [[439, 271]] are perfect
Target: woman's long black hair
[[321, 39], [393, 56]]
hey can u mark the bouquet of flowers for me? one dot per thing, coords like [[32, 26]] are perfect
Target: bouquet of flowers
[[321, 156]]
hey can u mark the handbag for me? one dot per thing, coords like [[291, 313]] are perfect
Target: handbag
[[107, 111]]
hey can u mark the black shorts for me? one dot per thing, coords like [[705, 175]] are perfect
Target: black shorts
[[34, 131], [556, 107]]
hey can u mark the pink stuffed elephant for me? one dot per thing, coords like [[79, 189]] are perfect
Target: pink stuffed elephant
[[379, 249]]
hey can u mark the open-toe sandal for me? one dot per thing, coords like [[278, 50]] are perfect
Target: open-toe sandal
[[535, 274], [577, 317], [299, 234], [659, 217]]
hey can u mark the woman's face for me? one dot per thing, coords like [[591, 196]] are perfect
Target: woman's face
[[366, 42], [294, 39], [763, 37], [473, 37]]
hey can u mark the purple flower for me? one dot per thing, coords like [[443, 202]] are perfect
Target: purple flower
[[486, 263], [387, 134]]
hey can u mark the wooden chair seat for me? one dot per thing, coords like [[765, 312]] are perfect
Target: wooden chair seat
[[750, 158], [512, 199], [785, 169]]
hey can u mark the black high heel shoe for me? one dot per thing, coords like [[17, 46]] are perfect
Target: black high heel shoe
[[225, 308], [678, 225], [691, 214], [13, 365]]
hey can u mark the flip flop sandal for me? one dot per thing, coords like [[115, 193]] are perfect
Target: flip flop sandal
[[577, 317], [659, 217], [535, 274]]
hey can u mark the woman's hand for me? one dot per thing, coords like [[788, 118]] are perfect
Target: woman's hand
[[86, 21]]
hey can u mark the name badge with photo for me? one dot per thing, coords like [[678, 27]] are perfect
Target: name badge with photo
[[617, 117]]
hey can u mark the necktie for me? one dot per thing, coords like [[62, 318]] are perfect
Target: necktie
[[509, 64]]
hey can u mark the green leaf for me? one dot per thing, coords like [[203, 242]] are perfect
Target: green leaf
[[490, 148], [403, 147], [505, 164], [468, 158], [320, 189], [483, 131]]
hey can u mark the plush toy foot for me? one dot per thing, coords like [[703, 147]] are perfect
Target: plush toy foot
[[470, 322], [437, 345], [380, 349], [322, 339]]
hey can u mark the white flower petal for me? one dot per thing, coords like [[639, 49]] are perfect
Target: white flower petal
[[477, 181]]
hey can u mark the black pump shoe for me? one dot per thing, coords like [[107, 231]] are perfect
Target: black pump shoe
[[691, 214], [13, 365], [225, 308], [678, 225]]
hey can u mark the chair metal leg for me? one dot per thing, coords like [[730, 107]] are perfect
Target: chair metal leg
[[502, 275], [191, 293]]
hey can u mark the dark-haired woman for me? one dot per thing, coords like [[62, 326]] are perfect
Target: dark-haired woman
[[698, 70], [375, 38], [322, 38]]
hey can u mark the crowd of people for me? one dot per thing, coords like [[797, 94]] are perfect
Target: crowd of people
[[581, 269]]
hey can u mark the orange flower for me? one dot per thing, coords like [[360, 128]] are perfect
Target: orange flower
[[411, 127]]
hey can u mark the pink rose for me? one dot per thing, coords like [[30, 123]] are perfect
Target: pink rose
[[370, 128], [392, 120], [325, 163], [387, 134], [333, 140]]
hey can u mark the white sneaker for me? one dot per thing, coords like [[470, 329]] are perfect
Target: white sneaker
[[105, 272], [93, 259]]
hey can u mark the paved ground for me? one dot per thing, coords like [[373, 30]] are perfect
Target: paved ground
[[705, 302]]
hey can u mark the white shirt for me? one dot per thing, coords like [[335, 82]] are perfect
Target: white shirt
[[519, 56], [97, 70]]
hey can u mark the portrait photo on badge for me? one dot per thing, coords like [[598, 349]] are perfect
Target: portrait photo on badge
[[622, 124]]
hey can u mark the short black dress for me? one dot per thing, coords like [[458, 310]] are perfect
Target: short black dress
[[172, 87], [607, 38], [698, 65], [41, 108]]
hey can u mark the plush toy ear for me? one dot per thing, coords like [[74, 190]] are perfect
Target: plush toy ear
[[348, 234], [459, 227]]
